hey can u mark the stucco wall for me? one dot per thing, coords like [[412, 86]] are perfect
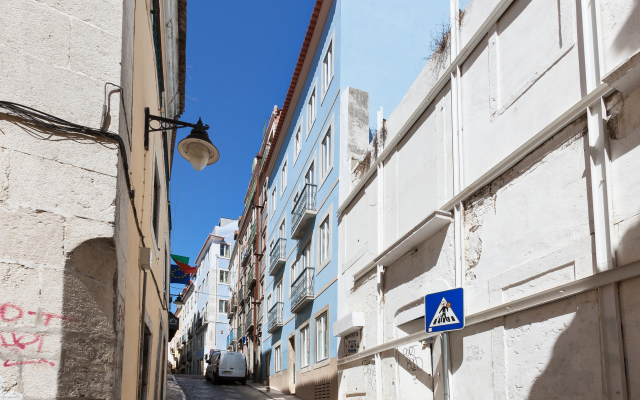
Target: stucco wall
[[59, 285], [526, 222]]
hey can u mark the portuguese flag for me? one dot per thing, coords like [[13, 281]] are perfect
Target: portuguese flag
[[183, 263]]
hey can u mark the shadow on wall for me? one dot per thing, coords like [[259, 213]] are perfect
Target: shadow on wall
[[89, 356], [548, 352], [321, 386], [630, 29]]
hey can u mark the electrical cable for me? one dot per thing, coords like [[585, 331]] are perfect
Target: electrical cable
[[32, 118]]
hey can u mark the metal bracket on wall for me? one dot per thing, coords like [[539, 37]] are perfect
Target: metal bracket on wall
[[165, 124]]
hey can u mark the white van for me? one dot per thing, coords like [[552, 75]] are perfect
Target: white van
[[227, 365]]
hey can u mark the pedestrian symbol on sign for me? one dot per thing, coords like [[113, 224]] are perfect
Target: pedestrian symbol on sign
[[444, 315], [444, 311]]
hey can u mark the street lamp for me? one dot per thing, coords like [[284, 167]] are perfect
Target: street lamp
[[178, 302], [195, 148]]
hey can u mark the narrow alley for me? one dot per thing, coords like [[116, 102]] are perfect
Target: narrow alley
[[196, 387]]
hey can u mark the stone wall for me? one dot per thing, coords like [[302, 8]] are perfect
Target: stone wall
[[59, 302]]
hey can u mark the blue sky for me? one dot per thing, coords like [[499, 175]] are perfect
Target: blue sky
[[240, 59]]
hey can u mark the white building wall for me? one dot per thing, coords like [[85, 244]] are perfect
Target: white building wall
[[529, 225]]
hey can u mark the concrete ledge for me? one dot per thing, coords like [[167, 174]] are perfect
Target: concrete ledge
[[348, 324], [421, 232]]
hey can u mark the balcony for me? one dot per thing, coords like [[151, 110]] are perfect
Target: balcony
[[232, 307], [233, 336], [275, 317], [251, 277], [241, 295], [302, 290], [278, 256], [304, 211], [249, 321]]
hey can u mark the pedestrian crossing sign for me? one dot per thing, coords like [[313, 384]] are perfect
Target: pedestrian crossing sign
[[444, 311]]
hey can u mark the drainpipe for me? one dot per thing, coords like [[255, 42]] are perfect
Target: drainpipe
[[378, 359], [142, 344]]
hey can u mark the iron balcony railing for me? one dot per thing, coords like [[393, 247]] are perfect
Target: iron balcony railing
[[302, 289], [278, 256], [275, 317], [306, 202], [241, 295], [249, 320]]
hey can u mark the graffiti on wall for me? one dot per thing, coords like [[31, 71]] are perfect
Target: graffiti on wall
[[20, 342]]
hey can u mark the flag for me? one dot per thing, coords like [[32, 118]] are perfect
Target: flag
[[178, 275], [183, 263]]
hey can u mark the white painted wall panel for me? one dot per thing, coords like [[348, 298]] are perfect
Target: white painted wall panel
[[553, 351], [630, 315], [538, 207], [620, 28], [624, 133], [506, 101]]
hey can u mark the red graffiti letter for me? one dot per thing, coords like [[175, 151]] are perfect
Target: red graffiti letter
[[3, 310]]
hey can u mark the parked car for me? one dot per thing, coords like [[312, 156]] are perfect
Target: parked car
[[227, 365]]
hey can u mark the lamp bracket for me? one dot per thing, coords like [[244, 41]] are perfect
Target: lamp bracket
[[165, 124]]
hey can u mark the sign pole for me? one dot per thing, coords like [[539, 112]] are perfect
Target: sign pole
[[445, 364]]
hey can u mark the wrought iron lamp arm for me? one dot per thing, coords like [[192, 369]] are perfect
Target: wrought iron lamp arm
[[173, 124]]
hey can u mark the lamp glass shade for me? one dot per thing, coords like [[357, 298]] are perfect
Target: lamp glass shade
[[178, 302], [198, 155]]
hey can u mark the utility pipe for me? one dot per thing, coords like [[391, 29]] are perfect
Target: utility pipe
[[142, 344]]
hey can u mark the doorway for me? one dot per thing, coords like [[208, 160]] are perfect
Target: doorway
[[267, 365], [291, 363]]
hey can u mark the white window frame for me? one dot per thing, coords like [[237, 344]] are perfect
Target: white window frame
[[312, 108], [273, 199], [324, 242], [226, 274], [322, 337], [293, 275], [269, 302], [297, 143], [225, 304], [312, 169], [278, 292], [328, 62], [283, 178], [326, 165], [305, 346], [282, 229], [278, 358]]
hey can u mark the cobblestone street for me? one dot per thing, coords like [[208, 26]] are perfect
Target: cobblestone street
[[198, 388]]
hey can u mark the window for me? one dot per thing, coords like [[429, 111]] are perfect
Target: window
[[278, 360], [278, 292], [304, 346], [308, 177], [325, 151], [269, 302], [283, 178], [324, 240], [224, 276], [223, 306], [311, 110], [327, 68], [322, 348], [273, 201], [306, 258], [281, 230], [224, 250], [156, 203], [294, 273], [295, 198], [297, 144]]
